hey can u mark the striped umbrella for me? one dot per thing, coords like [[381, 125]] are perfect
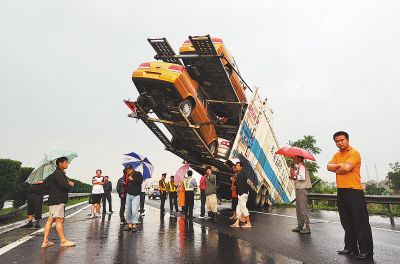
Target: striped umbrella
[[139, 163]]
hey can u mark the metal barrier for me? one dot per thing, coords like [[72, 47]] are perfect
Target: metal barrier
[[387, 200], [45, 199]]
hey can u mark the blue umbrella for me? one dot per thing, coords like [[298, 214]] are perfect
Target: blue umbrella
[[48, 165], [139, 163]]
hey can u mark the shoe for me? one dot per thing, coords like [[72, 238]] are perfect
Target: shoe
[[364, 256], [133, 229], [97, 215], [104, 213], [127, 228], [345, 252], [297, 229], [90, 217], [111, 212], [142, 214], [27, 225], [201, 217], [305, 231], [123, 223]]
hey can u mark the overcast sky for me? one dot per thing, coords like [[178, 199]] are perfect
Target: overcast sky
[[65, 67]]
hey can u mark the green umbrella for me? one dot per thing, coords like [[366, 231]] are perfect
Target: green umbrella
[[48, 165]]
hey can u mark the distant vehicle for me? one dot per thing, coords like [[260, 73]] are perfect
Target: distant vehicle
[[168, 91], [152, 191]]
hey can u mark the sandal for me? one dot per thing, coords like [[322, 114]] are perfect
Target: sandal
[[68, 244], [234, 225], [246, 226], [48, 244]]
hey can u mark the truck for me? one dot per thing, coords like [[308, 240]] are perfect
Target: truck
[[244, 129]]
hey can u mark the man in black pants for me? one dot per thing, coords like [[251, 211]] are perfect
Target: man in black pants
[[350, 199], [121, 190], [107, 195], [163, 192], [35, 204], [173, 195], [190, 187]]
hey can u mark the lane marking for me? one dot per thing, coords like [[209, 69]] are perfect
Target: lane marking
[[323, 221], [15, 244]]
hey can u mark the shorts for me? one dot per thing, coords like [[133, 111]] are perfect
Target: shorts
[[57, 211], [96, 198]]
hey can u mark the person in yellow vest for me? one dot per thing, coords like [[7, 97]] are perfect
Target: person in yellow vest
[[173, 195], [190, 187], [163, 191]]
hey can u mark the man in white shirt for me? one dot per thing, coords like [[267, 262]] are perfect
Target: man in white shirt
[[97, 193]]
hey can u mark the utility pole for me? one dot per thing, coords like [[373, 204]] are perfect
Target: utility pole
[[367, 173], [376, 174]]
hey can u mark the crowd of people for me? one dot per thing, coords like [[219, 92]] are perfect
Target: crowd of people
[[345, 164]]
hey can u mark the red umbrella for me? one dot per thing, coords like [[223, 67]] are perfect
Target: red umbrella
[[293, 151]]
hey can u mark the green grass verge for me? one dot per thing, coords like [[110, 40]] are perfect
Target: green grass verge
[[22, 215]]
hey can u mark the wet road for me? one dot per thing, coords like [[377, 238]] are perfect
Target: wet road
[[172, 239]]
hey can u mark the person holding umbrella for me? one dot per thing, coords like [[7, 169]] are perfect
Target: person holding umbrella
[[134, 188], [58, 185], [299, 174]]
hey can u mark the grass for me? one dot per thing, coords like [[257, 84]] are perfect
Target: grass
[[376, 209], [22, 215], [7, 210]]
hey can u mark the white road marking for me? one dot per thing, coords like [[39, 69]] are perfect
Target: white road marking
[[323, 221], [15, 244]]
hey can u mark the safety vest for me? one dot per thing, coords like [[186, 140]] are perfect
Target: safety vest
[[187, 182], [172, 187], [163, 185]]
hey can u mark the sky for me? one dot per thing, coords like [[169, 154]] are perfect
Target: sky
[[323, 65]]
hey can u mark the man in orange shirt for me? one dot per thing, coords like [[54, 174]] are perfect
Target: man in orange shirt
[[351, 203]]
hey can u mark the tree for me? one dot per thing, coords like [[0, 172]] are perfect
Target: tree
[[371, 187], [9, 170], [21, 188], [393, 177]]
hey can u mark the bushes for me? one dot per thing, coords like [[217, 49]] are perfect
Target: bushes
[[21, 187], [9, 173], [80, 187], [13, 186]]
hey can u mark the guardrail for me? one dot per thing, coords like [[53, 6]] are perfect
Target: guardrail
[[387, 200], [45, 199]]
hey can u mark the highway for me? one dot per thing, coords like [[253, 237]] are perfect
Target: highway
[[172, 239]]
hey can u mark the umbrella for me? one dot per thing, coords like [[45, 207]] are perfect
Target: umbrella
[[294, 151], [48, 165], [181, 172], [249, 170], [139, 163]]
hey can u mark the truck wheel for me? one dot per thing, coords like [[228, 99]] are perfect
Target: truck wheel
[[186, 107]]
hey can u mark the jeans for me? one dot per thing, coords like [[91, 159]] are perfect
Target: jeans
[[132, 207]]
